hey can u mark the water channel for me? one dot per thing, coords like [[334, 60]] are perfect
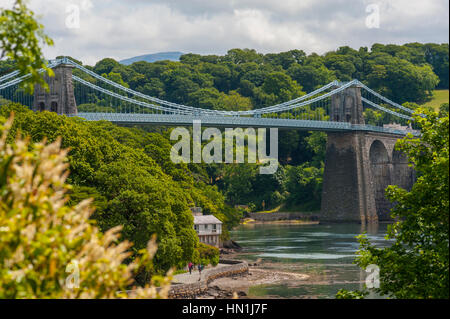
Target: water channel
[[325, 252]]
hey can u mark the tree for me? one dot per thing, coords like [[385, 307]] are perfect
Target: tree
[[115, 77], [417, 263], [205, 98], [281, 86], [239, 56], [437, 56], [20, 36], [234, 102], [311, 76], [207, 255], [110, 163], [105, 66], [286, 59], [49, 249], [304, 184], [399, 79]]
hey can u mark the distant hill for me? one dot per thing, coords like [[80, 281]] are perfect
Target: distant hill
[[172, 56]]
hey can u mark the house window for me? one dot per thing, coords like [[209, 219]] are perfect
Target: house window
[[214, 228]]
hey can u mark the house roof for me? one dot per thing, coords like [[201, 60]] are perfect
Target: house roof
[[206, 219]]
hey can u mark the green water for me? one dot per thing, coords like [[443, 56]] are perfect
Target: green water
[[324, 252]]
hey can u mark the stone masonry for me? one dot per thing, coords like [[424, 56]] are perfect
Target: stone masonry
[[60, 98], [359, 166]]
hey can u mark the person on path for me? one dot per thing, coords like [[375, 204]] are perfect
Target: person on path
[[190, 266], [200, 268]]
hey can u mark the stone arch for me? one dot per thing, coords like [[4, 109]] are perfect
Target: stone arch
[[54, 107], [41, 106], [403, 174], [380, 167]]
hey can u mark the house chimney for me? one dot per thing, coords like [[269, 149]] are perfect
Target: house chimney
[[196, 211]]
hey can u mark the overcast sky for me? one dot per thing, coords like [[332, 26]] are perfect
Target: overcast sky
[[123, 29]]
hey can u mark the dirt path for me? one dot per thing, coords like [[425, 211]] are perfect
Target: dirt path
[[188, 278]]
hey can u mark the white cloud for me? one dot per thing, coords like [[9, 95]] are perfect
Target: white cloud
[[122, 29]]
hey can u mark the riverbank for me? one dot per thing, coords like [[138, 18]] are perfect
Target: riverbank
[[225, 288], [264, 276], [249, 221], [285, 218], [192, 285]]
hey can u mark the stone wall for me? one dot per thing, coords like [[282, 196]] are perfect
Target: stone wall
[[185, 291], [358, 168]]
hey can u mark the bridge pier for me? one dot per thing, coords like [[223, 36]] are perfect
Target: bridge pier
[[359, 166], [60, 98], [347, 193]]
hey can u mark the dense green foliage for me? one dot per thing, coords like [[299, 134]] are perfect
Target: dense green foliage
[[132, 182], [246, 79], [207, 255], [51, 249], [416, 265]]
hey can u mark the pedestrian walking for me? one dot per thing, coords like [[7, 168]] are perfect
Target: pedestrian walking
[[190, 266]]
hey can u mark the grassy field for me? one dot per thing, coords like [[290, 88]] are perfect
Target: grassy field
[[439, 97]]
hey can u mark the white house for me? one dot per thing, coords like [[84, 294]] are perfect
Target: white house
[[208, 227]]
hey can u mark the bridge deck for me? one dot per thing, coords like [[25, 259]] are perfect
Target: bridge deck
[[238, 121]]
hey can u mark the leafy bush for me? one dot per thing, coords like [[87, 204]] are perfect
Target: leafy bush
[[207, 254], [49, 249]]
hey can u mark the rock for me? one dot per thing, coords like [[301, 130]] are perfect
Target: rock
[[231, 244]]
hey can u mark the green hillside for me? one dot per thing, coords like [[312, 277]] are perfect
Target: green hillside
[[439, 97]]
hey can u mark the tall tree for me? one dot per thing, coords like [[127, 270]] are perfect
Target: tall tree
[[20, 37]]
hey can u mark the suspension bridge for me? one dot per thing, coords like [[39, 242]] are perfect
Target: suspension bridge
[[333, 107], [362, 127]]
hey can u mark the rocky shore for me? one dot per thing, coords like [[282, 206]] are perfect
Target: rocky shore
[[238, 286]]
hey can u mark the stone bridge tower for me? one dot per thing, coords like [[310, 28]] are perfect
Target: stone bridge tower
[[60, 98], [359, 165]]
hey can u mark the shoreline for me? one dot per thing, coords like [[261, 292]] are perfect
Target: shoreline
[[280, 222], [259, 273], [238, 286]]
